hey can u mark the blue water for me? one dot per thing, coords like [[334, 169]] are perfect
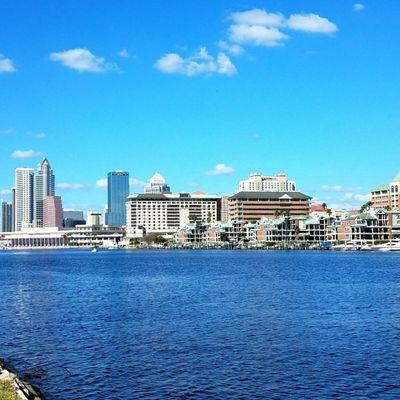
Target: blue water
[[203, 325]]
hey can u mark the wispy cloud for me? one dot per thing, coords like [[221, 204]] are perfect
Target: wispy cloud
[[6, 64], [312, 23], [339, 188], [40, 135], [136, 183], [333, 188], [101, 183], [82, 60], [233, 49], [123, 53], [71, 186], [24, 154], [199, 63], [358, 7], [5, 192], [220, 169]]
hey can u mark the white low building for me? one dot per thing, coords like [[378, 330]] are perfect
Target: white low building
[[164, 214]]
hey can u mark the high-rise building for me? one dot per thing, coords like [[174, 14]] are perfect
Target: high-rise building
[[23, 198], [52, 212], [44, 185], [258, 183], [157, 184], [13, 209], [118, 191], [6, 217]]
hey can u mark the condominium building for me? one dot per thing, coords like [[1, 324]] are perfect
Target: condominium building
[[52, 212], [387, 196], [23, 198], [44, 185], [258, 183], [157, 184], [252, 206], [118, 191], [165, 213], [6, 217]]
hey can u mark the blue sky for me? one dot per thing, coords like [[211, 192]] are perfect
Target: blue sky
[[310, 88]]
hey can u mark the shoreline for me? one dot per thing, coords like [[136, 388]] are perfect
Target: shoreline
[[19, 388]]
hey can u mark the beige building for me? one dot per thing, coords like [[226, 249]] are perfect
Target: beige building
[[164, 214], [387, 197], [259, 183], [252, 206]]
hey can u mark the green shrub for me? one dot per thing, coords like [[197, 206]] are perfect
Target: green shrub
[[7, 392]]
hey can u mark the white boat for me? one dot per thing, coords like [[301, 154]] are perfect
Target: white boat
[[390, 246], [94, 250], [349, 246]]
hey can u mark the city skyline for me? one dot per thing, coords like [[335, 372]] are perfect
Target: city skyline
[[309, 101]]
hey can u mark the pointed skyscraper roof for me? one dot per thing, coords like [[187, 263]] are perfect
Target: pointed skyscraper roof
[[157, 178]]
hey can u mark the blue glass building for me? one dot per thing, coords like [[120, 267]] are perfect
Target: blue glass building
[[118, 191]]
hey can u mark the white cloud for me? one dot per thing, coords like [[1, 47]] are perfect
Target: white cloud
[[23, 154], [123, 53], [334, 188], [82, 60], [220, 169], [200, 63], [71, 186], [311, 23], [358, 7], [362, 197], [258, 17], [6, 65], [136, 182], [40, 135], [234, 49], [348, 196], [101, 183], [256, 35], [5, 192]]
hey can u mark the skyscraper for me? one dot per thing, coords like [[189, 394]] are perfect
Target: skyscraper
[[52, 212], [44, 185], [6, 217], [23, 197], [118, 191], [156, 185]]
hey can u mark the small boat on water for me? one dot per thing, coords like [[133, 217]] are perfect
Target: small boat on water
[[94, 250], [349, 246]]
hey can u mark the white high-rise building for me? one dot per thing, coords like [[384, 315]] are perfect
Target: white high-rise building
[[44, 186], [258, 183], [157, 184], [23, 198]]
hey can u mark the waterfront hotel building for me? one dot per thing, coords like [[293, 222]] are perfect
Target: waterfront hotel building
[[252, 206], [165, 213]]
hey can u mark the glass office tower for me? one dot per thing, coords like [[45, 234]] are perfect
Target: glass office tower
[[118, 191]]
